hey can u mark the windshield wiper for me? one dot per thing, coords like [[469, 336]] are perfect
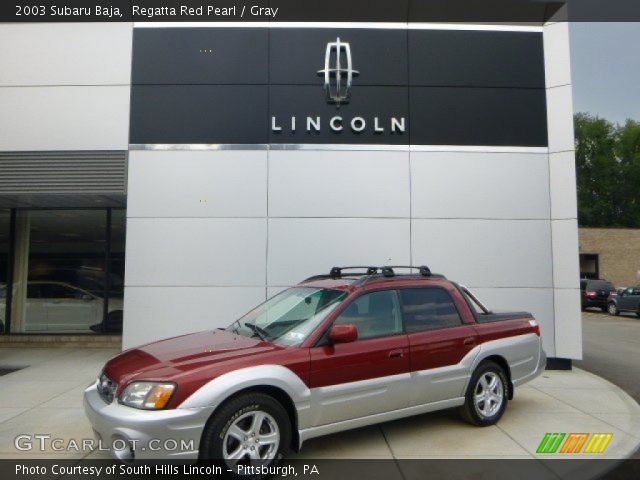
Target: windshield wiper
[[260, 332], [234, 327]]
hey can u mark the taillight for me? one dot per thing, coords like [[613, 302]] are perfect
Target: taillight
[[613, 293], [591, 294], [535, 326]]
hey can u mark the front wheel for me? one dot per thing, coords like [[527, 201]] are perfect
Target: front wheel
[[487, 395], [613, 309], [252, 429]]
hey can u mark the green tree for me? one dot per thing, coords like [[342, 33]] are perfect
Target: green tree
[[628, 155], [608, 172]]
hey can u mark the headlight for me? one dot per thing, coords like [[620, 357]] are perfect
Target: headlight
[[147, 395]]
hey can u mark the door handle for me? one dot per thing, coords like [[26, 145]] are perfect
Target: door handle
[[469, 341], [396, 353]]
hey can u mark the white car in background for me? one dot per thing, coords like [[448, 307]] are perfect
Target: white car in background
[[62, 307]]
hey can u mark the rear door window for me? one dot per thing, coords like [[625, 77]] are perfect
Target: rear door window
[[428, 309]]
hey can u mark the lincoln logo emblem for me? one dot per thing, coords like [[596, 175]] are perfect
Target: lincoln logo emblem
[[338, 79]]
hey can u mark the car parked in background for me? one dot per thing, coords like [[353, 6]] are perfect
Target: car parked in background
[[335, 352], [595, 293], [626, 301], [62, 307]]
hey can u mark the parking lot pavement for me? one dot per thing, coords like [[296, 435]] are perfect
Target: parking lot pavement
[[611, 349], [45, 397]]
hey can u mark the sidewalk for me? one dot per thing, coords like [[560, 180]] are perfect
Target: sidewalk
[[46, 398]]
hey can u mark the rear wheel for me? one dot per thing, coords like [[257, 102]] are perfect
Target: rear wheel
[[487, 395], [613, 309], [252, 429]]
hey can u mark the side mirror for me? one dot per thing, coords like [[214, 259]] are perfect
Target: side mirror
[[345, 333]]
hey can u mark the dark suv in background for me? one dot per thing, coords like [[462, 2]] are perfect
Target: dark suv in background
[[627, 300], [596, 293]]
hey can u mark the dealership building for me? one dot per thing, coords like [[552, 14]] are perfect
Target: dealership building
[[169, 177]]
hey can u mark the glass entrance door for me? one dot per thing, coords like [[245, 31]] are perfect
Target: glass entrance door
[[65, 278]]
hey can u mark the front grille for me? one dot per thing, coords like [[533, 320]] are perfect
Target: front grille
[[106, 388]]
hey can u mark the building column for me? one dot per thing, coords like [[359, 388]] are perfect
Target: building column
[[20, 271], [562, 178]]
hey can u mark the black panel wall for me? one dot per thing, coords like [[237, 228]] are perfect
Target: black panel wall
[[199, 114], [200, 56], [476, 59], [232, 85], [478, 116]]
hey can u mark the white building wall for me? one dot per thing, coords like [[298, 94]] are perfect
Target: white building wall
[[238, 226], [213, 233], [564, 211], [65, 86]]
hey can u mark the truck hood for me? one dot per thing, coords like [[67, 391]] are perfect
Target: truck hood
[[172, 358]]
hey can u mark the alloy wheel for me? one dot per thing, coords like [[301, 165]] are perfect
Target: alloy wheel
[[488, 394], [253, 438]]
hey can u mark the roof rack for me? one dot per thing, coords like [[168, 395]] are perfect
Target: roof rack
[[336, 272], [386, 271], [367, 273]]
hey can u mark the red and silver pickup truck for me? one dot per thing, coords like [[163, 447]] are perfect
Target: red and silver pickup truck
[[359, 346]]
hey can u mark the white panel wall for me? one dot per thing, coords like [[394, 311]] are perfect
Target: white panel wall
[[190, 252], [451, 210], [564, 226], [564, 197], [196, 240], [64, 118], [486, 253], [197, 184], [65, 86], [65, 54], [339, 184], [479, 185], [299, 248], [152, 313]]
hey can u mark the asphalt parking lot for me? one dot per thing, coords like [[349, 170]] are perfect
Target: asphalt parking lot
[[611, 349]]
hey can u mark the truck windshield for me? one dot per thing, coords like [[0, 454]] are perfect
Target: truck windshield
[[289, 317]]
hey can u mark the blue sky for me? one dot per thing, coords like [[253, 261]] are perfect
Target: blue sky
[[606, 69]]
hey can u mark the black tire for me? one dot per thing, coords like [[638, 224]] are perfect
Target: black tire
[[470, 411], [237, 409], [613, 309]]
